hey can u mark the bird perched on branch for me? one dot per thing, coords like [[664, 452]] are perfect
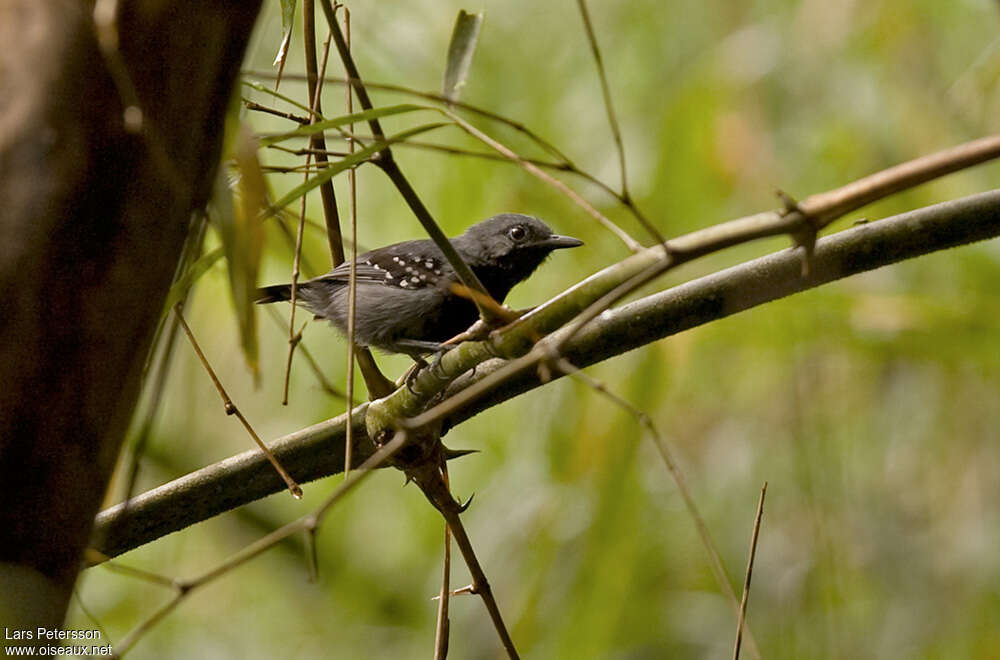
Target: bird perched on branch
[[407, 293]]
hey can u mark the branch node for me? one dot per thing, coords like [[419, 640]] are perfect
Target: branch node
[[805, 236]]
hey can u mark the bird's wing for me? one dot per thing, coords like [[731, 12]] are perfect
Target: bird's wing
[[364, 272], [408, 265]]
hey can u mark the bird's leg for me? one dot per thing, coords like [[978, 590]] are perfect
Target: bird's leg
[[411, 375], [417, 349], [436, 362]]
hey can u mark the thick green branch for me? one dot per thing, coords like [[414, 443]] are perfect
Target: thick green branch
[[318, 450]]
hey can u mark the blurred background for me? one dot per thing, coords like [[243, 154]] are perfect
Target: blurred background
[[871, 406]]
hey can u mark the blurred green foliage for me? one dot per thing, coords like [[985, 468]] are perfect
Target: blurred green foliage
[[870, 406]]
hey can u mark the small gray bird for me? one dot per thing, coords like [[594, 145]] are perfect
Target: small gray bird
[[404, 299]]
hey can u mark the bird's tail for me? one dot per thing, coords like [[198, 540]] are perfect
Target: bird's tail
[[274, 293]]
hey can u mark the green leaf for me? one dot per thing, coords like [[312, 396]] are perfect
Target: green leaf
[[180, 288], [242, 235], [245, 251], [356, 158], [287, 23], [464, 38], [357, 117]]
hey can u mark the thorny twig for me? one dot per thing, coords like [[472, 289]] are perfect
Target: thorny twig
[[231, 408], [428, 476]]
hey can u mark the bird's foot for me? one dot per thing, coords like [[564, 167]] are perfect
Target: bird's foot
[[411, 376], [434, 368]]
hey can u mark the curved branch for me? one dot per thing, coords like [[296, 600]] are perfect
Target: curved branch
[[317, 451]]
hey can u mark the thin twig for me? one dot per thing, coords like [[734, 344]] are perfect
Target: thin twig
[[746, 582], [309, 521], [231, 408], [378, 385], [441, 630], [312, 553], [742, 287], [140, 573], [388, 165], [596, 294], [538, 173], [714, 558], [147, 624], [625, 196], [316, 141], [606, 91], [293, 337], [569, 168], [808, 216], [564, 163], [479, 581], [324, 383], [546, 146], [86, 612], [352, 281], [431, 482], [257, 107]]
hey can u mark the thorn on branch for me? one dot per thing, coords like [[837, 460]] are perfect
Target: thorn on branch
[[805, 236], [457, 453], [468, 590], [464, 506]]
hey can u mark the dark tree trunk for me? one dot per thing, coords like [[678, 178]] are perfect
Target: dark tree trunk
[[92, 221]]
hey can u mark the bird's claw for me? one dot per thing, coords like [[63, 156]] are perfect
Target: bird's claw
[[436, 362], [411, 376], [434, 368]]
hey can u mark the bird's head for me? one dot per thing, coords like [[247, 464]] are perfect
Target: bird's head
[[511, 237], [507, 248]]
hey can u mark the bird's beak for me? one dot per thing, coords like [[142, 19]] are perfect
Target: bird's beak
[[556, 242]]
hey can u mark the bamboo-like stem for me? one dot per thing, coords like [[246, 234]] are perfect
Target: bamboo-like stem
[[316, 451]]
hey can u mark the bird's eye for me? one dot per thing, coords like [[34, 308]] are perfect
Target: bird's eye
[[517, 233]]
